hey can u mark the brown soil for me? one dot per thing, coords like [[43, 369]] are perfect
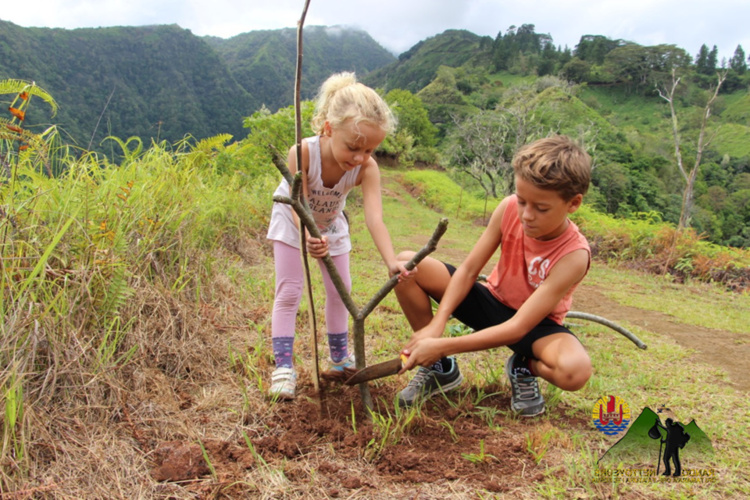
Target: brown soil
[[443, 444], [440, 449]]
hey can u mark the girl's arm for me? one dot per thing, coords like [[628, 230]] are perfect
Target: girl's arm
[[373, 205]]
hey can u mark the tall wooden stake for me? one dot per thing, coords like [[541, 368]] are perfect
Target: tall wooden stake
[[297, 201], [302, 239]]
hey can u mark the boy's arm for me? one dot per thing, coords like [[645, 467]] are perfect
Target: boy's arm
[[467, 273], [460, 283], [373, 206], [568, 271]]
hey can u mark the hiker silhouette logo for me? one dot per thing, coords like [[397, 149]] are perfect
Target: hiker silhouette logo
[[675, 439], [657, 438], [611, 415]]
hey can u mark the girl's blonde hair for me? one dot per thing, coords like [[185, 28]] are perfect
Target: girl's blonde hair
[[341, 97]]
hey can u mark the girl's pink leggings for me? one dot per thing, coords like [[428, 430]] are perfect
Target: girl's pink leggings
[[289, 286]]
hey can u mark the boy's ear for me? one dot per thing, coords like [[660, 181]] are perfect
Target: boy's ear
[[575, 203]]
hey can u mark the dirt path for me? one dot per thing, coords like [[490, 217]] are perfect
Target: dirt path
[[716, 347]]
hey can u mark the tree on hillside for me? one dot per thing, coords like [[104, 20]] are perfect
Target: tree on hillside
[[482, 144], [706, 61], [412, 116], [576, 70], [522, 50], [594, 48], [641, 68], [689, 174], [738, 62], [442, 97]]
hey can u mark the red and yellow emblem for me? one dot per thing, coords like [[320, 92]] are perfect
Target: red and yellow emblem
[[611, 415]]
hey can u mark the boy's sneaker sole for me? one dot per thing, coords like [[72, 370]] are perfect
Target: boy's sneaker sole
[[427, 382]]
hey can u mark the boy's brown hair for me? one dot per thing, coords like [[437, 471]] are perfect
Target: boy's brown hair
[[555, 163]]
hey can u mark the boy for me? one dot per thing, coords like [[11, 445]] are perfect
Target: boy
[[524, 302]]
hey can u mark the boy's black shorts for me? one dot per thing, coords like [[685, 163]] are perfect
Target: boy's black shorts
[[480, 309]]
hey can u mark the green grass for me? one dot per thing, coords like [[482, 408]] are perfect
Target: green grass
[[714, 306], [186, 247], [736, 107], [731, 139]]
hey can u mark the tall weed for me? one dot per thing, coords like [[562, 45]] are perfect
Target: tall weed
[[87, 254]]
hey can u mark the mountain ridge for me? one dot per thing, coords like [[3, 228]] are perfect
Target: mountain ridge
[[162, 82]]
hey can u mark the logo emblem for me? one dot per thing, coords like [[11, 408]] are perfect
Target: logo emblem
[[611, 415]]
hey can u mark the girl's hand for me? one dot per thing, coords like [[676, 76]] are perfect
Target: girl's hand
[[317, 247], [400, 270]]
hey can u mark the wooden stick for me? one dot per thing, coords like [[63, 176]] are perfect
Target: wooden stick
[[300, 195]]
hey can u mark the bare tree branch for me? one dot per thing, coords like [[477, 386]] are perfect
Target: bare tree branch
[[689, 176]]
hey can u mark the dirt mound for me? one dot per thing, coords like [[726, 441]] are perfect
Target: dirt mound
[[447, 439]]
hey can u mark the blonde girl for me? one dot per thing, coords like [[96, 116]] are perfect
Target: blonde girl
[[350, 122]]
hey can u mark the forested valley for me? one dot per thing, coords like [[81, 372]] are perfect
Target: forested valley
[[465, 103]]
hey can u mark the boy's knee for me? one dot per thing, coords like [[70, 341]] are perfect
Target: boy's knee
[[405, 255], [574, 373]]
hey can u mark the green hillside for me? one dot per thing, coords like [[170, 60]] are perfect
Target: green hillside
[[418, 66], [264, 62], [154, 81], [163, 82]]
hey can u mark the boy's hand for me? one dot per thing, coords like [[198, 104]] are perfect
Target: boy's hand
[[428, 332], [317, 247], [425, 352]]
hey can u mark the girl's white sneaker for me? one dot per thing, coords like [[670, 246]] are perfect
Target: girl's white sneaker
[[283, 383]]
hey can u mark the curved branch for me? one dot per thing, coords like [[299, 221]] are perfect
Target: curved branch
[[611, 324], [421, 254]]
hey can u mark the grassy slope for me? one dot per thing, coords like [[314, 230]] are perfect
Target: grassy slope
[[648, 117], [199, 329], [665, 373]]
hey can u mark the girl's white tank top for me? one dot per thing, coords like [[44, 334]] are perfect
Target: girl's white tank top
[[327, 205]]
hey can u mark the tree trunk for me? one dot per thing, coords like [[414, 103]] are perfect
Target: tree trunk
[[687, 194]]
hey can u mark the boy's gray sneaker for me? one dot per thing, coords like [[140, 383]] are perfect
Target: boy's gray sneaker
[[427, 382], [526, 398]]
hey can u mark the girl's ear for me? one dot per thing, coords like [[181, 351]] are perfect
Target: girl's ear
[[327, 129]]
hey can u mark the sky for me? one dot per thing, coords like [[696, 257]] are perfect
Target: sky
[[399, 24]]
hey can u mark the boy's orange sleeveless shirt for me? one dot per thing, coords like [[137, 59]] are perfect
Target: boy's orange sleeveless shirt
[[524, 262]]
